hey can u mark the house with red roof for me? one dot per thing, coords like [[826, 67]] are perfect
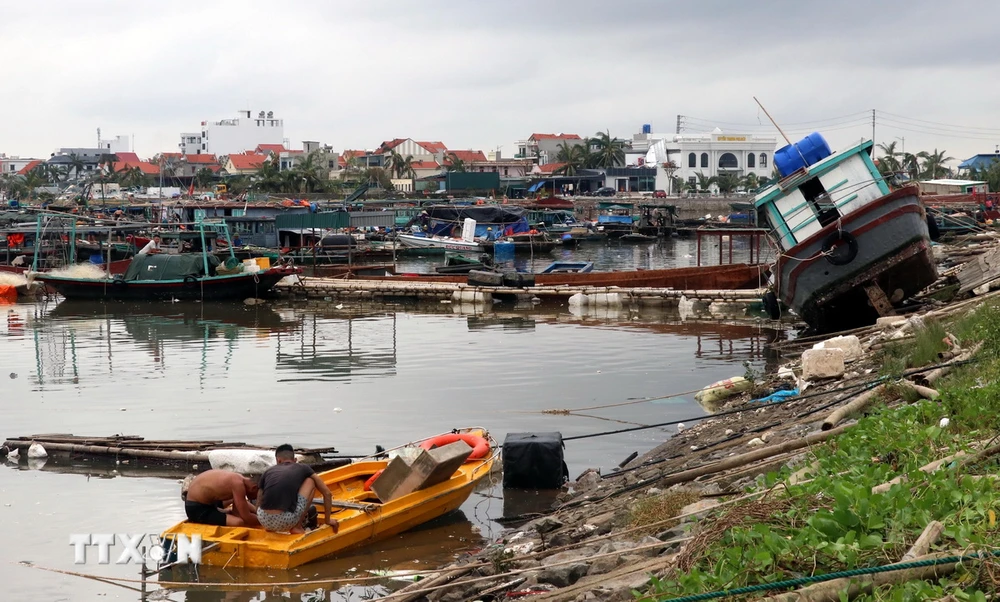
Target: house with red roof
[[130, 161], [408, 147], [544, 148], [465, 156], [267, 149], [25, 168], [244, 163]]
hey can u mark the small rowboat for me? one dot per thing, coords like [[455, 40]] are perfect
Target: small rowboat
[[363, 518]]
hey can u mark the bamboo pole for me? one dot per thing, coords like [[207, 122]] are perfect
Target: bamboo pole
[[743, 459], [858, 404], [923, 544]]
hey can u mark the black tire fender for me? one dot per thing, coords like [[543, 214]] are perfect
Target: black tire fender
[[190, 281], [841, 248], [771, 306]]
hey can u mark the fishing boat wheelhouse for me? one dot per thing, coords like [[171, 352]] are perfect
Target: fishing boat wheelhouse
[[849, 248]]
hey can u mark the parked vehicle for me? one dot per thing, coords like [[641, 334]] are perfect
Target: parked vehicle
[[605, 191], [660, 194]]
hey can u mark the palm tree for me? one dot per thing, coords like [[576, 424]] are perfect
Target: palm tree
[[574, 156], [934, 164], [307, 173], [727, 182], [911, 165], [889, 162], [35, 178], [134, 178], [203, 177], [76, 165], [704, 182], [609, 152], [377, 175], [455, 164], [268, 178], [401, 166], [751, 182], [12, 185]]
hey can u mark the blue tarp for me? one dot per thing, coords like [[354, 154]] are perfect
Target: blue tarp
[[536, 186], [777, 396]]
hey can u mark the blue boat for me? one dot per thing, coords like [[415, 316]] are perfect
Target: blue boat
[[569, 267], [850, 248]]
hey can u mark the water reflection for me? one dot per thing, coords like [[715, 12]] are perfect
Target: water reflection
[[331, 347]]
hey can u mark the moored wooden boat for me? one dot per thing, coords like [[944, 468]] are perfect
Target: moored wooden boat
[[718, 277], [362, 519]]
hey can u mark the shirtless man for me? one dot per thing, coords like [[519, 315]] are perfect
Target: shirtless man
[[213, 490], [286, 494]]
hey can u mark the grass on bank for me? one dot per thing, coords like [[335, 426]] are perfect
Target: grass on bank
[[835, 522]]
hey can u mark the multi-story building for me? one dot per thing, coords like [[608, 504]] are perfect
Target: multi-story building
[[544, 148], [684, 156], [234, 136], [14, 165]]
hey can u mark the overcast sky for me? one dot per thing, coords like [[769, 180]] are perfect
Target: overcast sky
[[485, 74]]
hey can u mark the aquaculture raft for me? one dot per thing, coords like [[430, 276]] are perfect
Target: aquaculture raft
[[189, 455]]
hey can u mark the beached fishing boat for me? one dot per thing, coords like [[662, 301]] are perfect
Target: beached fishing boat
[[850, 248], [362, 518], [183, 276], [717, 277]]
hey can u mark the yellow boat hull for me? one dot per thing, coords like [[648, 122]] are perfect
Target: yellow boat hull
[[245, 547]]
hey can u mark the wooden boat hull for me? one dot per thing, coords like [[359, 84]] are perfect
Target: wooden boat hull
[[243, 547], [718, 277], [448, 244], [215, 288], [893, 251]]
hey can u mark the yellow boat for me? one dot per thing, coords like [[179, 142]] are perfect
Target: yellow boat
[[363, 518]]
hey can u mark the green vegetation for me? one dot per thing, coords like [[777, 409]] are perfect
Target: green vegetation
[[652, 510], [921, 166], [601, 151], [835, 522]]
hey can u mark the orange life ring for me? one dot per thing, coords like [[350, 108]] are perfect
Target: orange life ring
[[371, 479], [480, 446]]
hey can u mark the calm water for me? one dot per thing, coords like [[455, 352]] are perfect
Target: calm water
[[318, 378]]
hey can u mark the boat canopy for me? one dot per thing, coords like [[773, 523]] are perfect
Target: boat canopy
[[162, 266], [510, 219]]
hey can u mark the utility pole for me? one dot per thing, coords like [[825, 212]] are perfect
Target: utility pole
[[873, 129], [680, 123]]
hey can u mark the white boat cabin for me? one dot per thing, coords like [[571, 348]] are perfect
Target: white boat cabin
[[815, 196]]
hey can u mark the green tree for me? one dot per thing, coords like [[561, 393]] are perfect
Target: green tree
[[35, 178], [76, 165], [308, 174], [609, 152], [204, 177], [704, 182], [750, 182], [400, 166], [456, 164], [910, 164], [888, 163], [989, 174], [378, 176], [934, 164], [574, 156], [727, 182], [134, 178], [268, 178]]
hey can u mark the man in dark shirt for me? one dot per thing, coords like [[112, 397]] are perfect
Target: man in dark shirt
[[286, 493]]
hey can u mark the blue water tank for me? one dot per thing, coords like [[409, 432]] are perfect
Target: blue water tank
[[808, 151], [96, 259], [647, 128]]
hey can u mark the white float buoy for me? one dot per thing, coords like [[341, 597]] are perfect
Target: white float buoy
[[35, 450]]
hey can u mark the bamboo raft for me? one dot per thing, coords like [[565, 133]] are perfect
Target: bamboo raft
[[379, 290], [191, 456]]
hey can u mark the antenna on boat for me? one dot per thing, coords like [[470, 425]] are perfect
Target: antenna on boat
[[773, 122]]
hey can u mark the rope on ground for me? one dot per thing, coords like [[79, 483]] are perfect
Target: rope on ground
[[749, 406], [789, 583]]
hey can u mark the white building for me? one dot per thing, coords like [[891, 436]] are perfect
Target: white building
[[233, 136], [118, 144], [710, 154]]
